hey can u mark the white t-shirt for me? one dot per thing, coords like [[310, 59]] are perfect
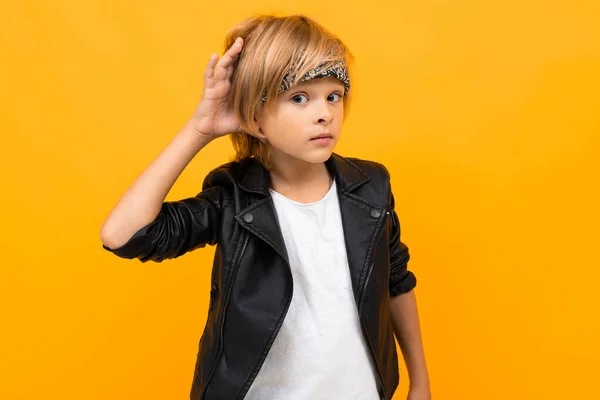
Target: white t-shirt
[[320, 352]]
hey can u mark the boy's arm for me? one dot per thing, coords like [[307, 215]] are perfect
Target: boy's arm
[[142, 201], [404, 313], [178, 226], [405, 321], [141, 224]]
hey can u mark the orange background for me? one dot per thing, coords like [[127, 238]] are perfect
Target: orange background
[[485, 112]]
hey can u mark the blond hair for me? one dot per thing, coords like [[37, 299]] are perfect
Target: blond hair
[[276, 47]]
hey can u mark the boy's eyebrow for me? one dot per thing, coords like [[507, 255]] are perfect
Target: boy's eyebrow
[[302, 87]]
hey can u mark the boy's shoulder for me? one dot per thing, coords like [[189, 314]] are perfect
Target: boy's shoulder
[[377, 187], [370, 167], [231, 173]]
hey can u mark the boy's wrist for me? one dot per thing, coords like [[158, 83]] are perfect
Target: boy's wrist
[[192, 130], [419, 382], [192, 140]]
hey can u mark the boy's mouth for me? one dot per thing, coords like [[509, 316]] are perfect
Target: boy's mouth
[[323, 136], [322, 139]]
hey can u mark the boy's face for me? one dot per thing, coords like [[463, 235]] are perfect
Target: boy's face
[[305, 121]]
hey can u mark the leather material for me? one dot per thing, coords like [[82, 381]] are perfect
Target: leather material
[[251, 281]]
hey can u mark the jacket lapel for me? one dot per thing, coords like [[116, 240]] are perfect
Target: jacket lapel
[[260, 217], [360, 219]]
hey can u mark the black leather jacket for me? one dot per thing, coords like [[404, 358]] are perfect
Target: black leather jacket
[[251, 286]]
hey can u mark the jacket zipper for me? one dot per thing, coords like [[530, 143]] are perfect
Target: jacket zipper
[[361, 301], [213, 292], [229, 289]]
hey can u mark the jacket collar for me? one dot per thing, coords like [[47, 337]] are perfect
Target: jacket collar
[[348, 175]]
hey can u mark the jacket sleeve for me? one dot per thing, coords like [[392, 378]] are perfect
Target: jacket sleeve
[[181, 226], [402, 280]]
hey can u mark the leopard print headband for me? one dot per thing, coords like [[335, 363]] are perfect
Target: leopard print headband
[[337, 71]]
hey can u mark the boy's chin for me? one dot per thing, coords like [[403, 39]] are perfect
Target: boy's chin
[[312, 156], [317, 157]]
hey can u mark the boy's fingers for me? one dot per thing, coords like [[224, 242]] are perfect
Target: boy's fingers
[[228, 59], [210, 67], [230, 72]]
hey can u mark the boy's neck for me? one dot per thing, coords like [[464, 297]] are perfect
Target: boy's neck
[[300, 181]]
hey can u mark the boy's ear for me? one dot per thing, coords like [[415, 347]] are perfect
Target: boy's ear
[[256, 131], [260, 135]]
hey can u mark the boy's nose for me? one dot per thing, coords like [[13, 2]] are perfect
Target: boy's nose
[[324, 120], [324, 114]]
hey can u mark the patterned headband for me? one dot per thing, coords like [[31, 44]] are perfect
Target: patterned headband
[[337, 71]]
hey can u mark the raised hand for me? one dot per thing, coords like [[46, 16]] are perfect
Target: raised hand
[[213, 116]]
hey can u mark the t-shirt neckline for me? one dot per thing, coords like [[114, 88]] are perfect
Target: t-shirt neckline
[[331, 189]]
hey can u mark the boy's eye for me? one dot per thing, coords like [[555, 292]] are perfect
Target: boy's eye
[[302, 98], [298, 98], [334, 97]]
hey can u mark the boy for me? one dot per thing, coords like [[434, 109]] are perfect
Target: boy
[[309, 281]]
